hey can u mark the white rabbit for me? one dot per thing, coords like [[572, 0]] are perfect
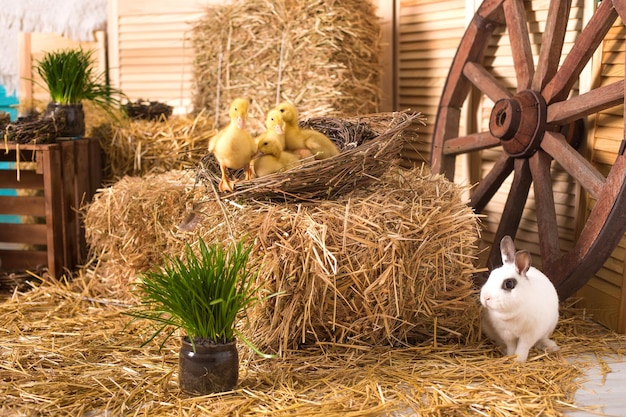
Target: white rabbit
[[520, 304]]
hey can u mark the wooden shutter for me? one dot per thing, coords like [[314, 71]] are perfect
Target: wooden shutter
[[428, 34], [605, 294], [149, 40]]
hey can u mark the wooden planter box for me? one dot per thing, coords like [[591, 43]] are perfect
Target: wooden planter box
[[53, 182]]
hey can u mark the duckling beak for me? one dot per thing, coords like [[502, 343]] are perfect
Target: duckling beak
[[279, 129], [241, 122]]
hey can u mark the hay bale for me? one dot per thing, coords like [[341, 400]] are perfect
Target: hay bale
[[143, 147], [322, 56], [128, 226], [390, 264]]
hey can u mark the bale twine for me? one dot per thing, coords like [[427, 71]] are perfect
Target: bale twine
[[323, 56], [143, 147]]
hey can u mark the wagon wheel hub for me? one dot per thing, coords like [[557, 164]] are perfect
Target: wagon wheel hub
[[519, 123]]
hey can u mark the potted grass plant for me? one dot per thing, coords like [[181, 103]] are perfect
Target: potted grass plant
[[71, 78], [205, 294]]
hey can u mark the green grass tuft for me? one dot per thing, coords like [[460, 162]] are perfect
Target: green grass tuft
[[204, 293]]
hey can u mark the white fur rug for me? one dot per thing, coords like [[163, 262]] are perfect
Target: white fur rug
[[75, 19]]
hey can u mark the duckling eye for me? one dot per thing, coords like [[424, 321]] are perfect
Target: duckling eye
[[509, 284]]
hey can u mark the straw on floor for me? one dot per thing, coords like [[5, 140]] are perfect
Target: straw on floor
[[68, 350]]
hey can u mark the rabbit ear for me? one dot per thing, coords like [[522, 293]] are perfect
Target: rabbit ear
[[522, 262], [507, 249]]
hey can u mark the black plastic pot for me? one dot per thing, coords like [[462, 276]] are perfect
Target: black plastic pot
[[213, 367], [71, 118]]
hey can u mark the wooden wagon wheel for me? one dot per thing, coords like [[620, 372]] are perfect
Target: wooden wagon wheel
[[534, 127]]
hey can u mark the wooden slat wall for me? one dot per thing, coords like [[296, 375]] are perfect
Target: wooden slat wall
[[428, 36], [605, 295], [151, 55]]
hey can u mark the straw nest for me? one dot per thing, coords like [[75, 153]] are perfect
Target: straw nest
[[368, 146], [33, 129], [148, 109], [141, 147], [322, 56], [69, 350]]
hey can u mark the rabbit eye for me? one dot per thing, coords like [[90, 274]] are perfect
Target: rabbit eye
[[509, 284]]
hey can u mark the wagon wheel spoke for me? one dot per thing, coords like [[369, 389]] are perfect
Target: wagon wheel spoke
[[485, 82], [551, 43], [513, 208], [515, 16], [540, 164], [539, 125], [574, 163], [470, 143], [491, 183], [577, 107], [585, 45]]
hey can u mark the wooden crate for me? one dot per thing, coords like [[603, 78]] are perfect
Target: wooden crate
[[53, 181]]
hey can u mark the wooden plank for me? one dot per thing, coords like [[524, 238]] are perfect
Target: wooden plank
[[168, 69], [432, 36], [159, 77], [22, 205], [51, 160], [32, 234], [444, 21], [152, 22], [431, 8], [151, 43], [167, 36], [603, 306], [22, 260], [29, 180], [82, 193], [95, 168], [170, 63], [162, 7], [160, 53], [423, 54], [69, 209]]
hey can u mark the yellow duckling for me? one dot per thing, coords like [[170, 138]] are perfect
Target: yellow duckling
[[309, 140], [272, 159], [275, 128], [233, 146]]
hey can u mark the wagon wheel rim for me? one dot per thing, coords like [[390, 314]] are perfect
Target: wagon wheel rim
[[534, 126]]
